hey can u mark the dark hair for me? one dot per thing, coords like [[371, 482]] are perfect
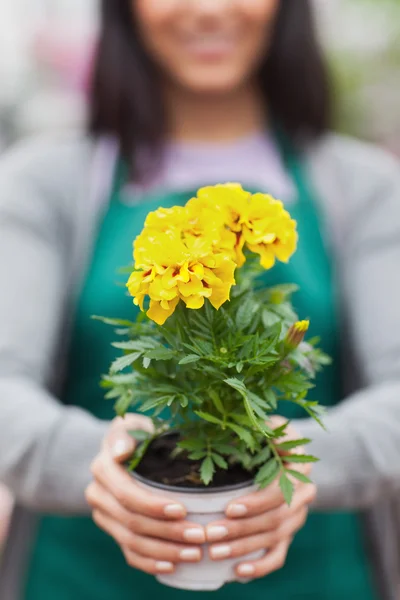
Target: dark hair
[[126, 103]]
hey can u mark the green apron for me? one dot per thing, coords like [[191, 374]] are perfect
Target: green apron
[[72, 558]]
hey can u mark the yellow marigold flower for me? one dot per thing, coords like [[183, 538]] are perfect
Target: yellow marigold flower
[[171, 267], [257, 222], [166, 219], [296, 333], [268, 230], [230, 199]]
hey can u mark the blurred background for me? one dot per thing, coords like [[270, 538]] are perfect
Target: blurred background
[[46, 48]]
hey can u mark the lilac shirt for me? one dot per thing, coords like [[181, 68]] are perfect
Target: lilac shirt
[[253, 161]]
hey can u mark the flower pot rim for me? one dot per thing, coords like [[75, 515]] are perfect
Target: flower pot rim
[[193, 490]]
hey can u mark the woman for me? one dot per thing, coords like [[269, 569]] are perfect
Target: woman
[[186, 94]]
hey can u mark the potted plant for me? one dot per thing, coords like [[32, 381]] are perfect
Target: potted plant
[[211, 354]]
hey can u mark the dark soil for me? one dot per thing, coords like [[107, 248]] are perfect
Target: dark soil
[[159, 465]]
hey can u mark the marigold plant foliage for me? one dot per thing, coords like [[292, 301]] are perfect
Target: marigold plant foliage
[[214, 351]]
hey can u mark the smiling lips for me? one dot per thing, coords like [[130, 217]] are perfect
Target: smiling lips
[[210, 46]]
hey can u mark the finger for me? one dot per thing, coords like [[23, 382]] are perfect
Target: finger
[[147, 565], [145, 546], [259, 541], [230, 529], [129, 494], [256, 503], [175, 531], [272, 561], [119, 442]]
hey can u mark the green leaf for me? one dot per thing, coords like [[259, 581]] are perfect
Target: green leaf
[[300, 476], [197, 454], [140, 345], [241, 388], [261, 414], [139, 453], [299, 458], [124, 361], [183, 401], [219, 461], [154, 402], [190, 358], [160, 353], [287, 488], [115, 393], [270, 397], [191, 444], [122, 379], [239, 367], [240, 418], [236, 384], [293, 444], [281, 430], [285, 290], [269, 318], [246, 312], [267, 473], [216, 401], [286, 312], [122, 405], [207, 417], [243, 434], [204, 347], [139, 435], [114, 322], [261, 457], [224, 448], [207, 470]]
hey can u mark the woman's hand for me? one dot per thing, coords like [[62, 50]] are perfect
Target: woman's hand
[[262, 521], [150, 529]]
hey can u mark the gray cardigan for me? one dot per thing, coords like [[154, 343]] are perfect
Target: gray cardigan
[[49, 210]]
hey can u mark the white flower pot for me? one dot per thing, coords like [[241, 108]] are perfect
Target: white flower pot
[[204, 507]]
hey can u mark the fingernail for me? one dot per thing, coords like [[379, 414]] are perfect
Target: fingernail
[[164, 567], [120, 448], [195, 534], [216, 532], [174, 510], [222, 551], [190, 554], [246, 570], [236, 510]]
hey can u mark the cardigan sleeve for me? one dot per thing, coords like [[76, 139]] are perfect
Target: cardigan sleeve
[[360, 452], [45, 447]]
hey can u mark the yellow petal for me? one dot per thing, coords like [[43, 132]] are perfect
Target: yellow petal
[[194, 286], [197, 269], [157, 291], [267, 256], [194, 301], [183, 274], [226, 270], [220, 294], [169, 278], [135, 282], [158, 314], [139, 300]]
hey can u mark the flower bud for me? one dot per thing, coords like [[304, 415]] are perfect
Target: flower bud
[[296, 334]]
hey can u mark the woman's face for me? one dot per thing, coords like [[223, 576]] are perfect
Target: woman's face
[[206, 46]]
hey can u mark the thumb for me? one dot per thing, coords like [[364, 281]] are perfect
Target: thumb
[[118, 442]]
